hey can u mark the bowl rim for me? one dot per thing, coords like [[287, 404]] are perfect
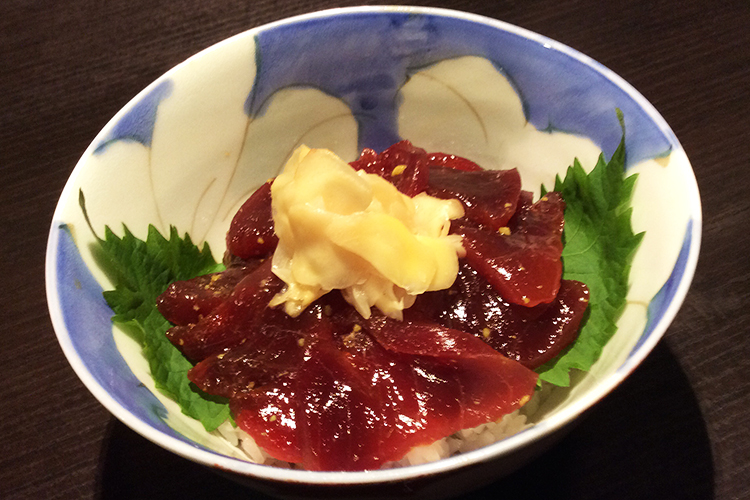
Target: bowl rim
[[520, 440]]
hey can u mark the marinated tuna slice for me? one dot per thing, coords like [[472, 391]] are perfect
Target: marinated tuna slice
[[269, 415], [338, 420], [266, 353], [489, 196], [251, 230], [372, 398], [265, 398], [402, 164], [421, 338], [368, 162], [522, 263], [407, 413], [412, 180], [228, 324], [530, 335], [452, 161], [491, 385], [550, 332], [188, 301], [354, 395]]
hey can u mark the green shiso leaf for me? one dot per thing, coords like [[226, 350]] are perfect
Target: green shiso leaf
[[142, 270], [599, 245]]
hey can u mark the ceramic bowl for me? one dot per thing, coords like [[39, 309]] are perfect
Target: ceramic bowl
[[188, 149]]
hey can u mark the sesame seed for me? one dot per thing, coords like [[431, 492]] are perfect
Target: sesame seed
[[398, 170]]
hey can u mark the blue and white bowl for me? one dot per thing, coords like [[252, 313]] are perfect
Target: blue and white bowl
[[190, 148]]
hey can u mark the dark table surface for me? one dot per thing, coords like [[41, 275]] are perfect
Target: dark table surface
[[678, 428]]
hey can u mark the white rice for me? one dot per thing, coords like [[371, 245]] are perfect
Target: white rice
[[462, 441]]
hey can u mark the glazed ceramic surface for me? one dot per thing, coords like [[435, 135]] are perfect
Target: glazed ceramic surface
[[190, 148]]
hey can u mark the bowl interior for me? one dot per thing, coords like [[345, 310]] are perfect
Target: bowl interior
[[192, 146]]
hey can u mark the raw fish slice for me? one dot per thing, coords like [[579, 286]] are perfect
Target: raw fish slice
[[489, 196], [402, 164], [354, 404], [269, 349], [455, 367], [530, 335], [269, 415], [543, 218], [338, 420], [551, 332], [269, 410], [409, 403], [368, 162], [524, 266], [465, 394], [426, 339], [268, 352], [486, 376], [413, 180], [452, 161], [251, 231], [230, 322], [188, 301]]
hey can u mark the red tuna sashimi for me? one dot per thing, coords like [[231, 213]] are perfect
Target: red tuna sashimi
[[267, 351], [369, 393], [550, 332], [229, 323], [318, 412], [339, 426], [186, 302], [413, 410], [269, 415], [402, 164], [269, 411], [384, 391], [251, 231], [530, 335], [524, 266], [453, 161], [489, 197], [489, 384], [419, 398]]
